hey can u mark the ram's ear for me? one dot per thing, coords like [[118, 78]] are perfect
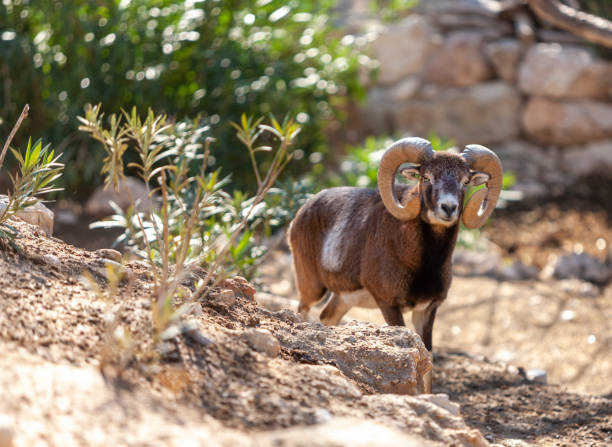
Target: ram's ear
[[410, 173], [479, 178]]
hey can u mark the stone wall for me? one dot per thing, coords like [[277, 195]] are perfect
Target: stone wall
[[471, 71]]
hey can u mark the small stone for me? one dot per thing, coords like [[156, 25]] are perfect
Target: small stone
[[262, 341], [240, 286], [109, 253], [442, 401], [287, 315], [321, 416], [51, 259], [168, 351], [537, 376], [226, 297], [512, 370], [37, 214], [191, 329], [103, 271]]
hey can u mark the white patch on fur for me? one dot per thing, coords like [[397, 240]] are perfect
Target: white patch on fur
[[332, 256], [359, 298]]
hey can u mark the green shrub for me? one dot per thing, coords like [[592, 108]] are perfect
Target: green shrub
[[199, 222], [37, 173], [219, 58]]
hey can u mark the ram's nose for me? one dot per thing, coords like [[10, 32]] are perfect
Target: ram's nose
[[448, 208]]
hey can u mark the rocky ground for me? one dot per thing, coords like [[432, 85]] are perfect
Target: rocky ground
[[236, 373]]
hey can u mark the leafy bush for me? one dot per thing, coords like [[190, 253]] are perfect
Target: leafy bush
[[198, 223], [219, 58], [38, 171]]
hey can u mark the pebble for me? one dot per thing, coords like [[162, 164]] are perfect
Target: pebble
[[199, 338], [103, 272], [321, 416], [226, 297], [442, 401], [262, 341], [240, 286], [109, 253], [191, 329], [287, 316], [51, 259], [536, 375]]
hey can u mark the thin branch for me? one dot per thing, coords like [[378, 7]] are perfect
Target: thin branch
[[24, 114]]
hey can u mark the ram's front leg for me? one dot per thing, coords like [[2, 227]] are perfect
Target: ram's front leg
[[423, 321]]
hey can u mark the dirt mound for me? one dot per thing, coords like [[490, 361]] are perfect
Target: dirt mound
[[53, 330], [239, 374]]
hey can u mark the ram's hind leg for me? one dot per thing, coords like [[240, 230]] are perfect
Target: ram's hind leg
[[310, 289], [334, 310], [310, 293]]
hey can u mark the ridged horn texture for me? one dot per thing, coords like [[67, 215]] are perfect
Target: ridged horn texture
[[408, 150], [482, 203]]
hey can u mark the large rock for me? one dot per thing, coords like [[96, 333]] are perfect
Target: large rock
[[483, 8], [390, 359], [37, 214], [538, 171], [461, 61], [550, 69], [582, 266], [565, 123], [340, 432], [131, 190], [377, 112], [592, 158], [505, 55], [404, 48], [484, 113]]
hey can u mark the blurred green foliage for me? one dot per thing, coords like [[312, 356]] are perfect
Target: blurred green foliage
[[360, 165], [216, 58]]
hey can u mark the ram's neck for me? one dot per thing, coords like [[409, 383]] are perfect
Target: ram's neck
[[419, 243]]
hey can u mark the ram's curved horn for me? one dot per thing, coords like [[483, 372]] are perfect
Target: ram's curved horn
[[482, 203], [408, 150]]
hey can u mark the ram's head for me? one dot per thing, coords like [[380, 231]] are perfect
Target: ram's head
[[442, 179]]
